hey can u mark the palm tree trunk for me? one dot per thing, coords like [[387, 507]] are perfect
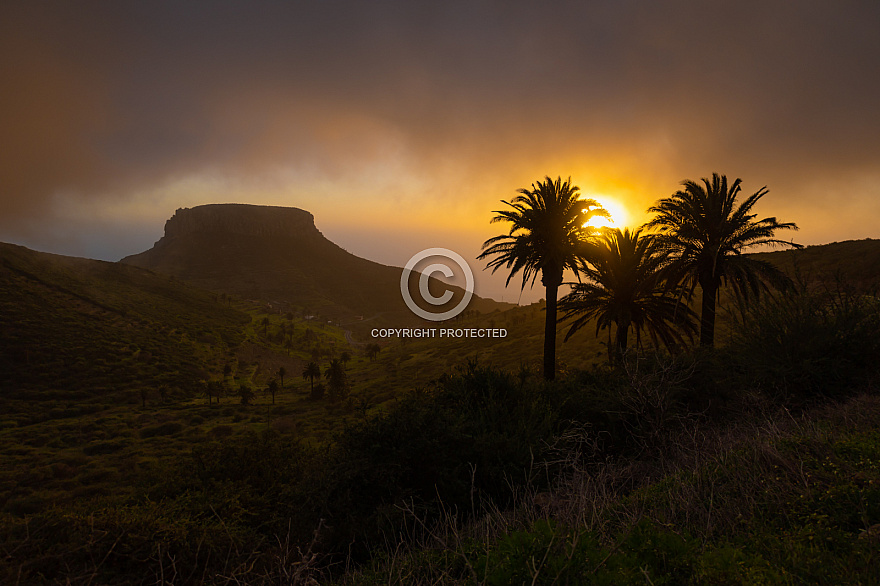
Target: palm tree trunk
[[550, 333], [707, 315], [622, 335]]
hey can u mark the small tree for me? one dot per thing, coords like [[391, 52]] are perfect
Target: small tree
[[373, 351], [345, 357], [246, 394], [213, 389], [337, 380], [311, 372], [281, 372], [272, 389]]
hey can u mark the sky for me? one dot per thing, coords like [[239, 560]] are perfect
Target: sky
[[402, 125]]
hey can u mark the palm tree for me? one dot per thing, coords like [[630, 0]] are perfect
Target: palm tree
[[336, 379], [281, 372], [345, 357], [272, 389], [311, 372], [623, 287], [705, 232], [547, 227]]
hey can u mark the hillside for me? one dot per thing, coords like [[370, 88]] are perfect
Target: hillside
[[857, 261], [101, 466], [277, 254], [74, 328]]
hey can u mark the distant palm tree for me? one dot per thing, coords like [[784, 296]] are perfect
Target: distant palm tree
[[548, 224], [311, 372], [337, 380], [705, 232], [373, 350], [345, 357], [623, 287], [272, 389], [281, 372]]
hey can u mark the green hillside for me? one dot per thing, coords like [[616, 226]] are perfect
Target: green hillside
[[858, 261], [76, 329], [108, 436]]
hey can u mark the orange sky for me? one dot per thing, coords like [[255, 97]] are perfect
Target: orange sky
[[400, 126]]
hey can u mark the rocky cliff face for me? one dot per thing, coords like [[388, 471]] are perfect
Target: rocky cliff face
[[240, 219]]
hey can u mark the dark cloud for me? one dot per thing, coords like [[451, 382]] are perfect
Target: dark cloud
[[101, 99]]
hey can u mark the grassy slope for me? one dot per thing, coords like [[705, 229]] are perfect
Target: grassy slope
[[780, 501], [81, 341]]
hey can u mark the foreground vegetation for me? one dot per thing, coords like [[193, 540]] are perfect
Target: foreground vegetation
[[752, 463]]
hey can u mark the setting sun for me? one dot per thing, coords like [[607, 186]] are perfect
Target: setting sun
[[618, 213]]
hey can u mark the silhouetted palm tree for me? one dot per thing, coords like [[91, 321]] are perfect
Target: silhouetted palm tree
[[272, 389], [345, 357], [281, 372], [547, 227], [705, 232], [311, 372], [337, 380], [623, 287]]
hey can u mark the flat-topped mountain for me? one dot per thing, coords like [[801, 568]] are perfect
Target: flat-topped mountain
[[276, 254]]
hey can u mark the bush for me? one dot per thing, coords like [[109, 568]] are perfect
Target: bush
[[810, 342], [169, 428]]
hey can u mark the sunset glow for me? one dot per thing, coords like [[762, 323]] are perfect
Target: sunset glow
[[619, 216], [403, 129]]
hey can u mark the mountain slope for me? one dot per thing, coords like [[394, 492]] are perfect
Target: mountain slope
[[277, 254], [856, 261], [79, 329]]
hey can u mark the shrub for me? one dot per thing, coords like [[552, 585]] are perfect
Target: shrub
[[810, 342], [169, 428], [222, 431]]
